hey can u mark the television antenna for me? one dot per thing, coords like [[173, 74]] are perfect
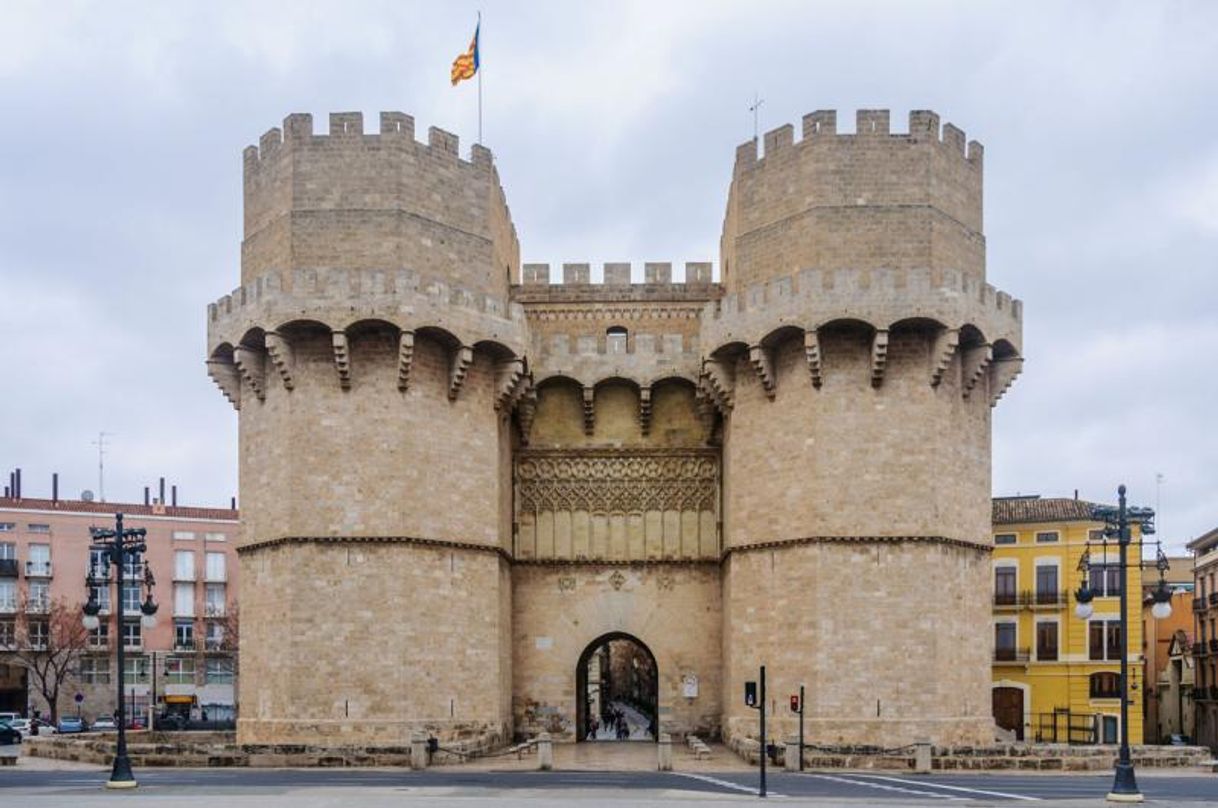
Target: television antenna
[[100, 443]]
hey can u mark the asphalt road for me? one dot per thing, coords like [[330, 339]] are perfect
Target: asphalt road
[[878, 788]]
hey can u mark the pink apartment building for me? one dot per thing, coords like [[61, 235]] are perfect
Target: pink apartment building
[[186, 663]]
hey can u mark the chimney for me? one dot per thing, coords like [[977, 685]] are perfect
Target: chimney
[[55, 488], [174, 500], [18, 484], [162, 497], [1076, 495], [233, 504], [6, 492], [147, 497]]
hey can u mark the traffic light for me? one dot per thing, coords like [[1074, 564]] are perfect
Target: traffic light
[[750, 694], [795, 702]]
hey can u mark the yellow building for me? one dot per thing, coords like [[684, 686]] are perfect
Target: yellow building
[[1056, 677]]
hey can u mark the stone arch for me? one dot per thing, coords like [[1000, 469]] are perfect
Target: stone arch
[[1004, 349], [583, 703]]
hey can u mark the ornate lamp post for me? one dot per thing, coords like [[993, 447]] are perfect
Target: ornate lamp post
[[116, 548], [1117, 526]]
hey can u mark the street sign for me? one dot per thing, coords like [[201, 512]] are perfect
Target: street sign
[[750, 694], [79, 697], [794, 702]]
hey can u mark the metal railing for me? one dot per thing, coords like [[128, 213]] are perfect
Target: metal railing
[[1214, 598], [1012, 654], [1199, 604], [38, 569], [8, 568]]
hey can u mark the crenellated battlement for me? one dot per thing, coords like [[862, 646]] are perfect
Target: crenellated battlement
[[869, 199], [870, 125], [350, 199], [575, 283], [397, 129]]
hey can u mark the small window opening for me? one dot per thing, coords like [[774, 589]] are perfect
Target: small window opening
[[615, 340]]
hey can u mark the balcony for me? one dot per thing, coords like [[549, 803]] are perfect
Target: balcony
[[185, 645], [213, 610], [1005, 600], [1214, 598], [1214, 646], [1052, 599], [1199, 649], [8, 568], [8, 606], [1012, 655], [38, 569], [1199, 604], [38, 606]]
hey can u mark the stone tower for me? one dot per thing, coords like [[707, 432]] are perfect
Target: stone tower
[[459, 479]]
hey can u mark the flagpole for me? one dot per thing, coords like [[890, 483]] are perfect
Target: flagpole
[[479, 78]]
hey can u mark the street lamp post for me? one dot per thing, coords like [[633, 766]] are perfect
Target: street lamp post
[[1117, 525], [116, 547]]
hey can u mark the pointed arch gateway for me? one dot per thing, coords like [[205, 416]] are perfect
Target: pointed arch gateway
[[617, 672]]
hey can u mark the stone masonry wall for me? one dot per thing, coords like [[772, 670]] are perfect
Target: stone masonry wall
[[560, 610], [355, 644], [891, 641]]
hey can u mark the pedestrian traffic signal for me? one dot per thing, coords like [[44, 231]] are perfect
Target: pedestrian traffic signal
[[750, 694], [794, 703]]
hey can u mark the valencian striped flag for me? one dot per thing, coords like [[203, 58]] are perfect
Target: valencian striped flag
[[466, 65]]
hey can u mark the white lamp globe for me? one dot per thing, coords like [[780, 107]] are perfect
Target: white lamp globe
[[1083, 610], [1161, 611], [148, 621], [91, 622]]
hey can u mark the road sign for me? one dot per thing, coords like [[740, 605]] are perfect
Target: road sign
[[795, 702], [79, 697], [750, 694]]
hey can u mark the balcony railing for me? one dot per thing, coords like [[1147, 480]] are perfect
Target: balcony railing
[[185, 645], [8, 568], [1200, 649], [1007, 599], [38, 569], [213, 610], [1214, 646], [8, 606], [1011, 654], [1053, 598], [37, 606], [1214, 598], [1199, 604]]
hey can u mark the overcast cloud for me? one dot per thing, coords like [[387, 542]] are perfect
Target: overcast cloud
[[614, 127]]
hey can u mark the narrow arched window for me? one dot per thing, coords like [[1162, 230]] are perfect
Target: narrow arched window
[[615, 340]]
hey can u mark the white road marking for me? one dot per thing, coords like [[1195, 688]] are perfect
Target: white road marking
[[929, 784], [882, 787], [723, 783]]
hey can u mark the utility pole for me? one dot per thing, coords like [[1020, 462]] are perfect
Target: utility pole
[[764, 746], [100, 443]]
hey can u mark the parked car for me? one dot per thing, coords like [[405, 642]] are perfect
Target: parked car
[[171, 722], [70, 724], [8, 718], [9, 734], [26, 726], [104, 723]]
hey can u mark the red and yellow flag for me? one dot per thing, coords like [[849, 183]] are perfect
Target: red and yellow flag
[[465, 66]]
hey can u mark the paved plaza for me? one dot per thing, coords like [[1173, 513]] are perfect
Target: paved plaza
[[601, 774]]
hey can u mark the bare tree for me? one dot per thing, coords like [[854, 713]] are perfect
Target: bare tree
[[50, 642]]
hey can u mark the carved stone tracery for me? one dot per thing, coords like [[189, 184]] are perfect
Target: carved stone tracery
[[604, 481]]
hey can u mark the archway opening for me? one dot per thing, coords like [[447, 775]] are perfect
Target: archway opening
[[617, 690]]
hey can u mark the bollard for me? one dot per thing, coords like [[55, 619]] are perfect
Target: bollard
[[664, 750], [922, 750], [790, 757], [418, 750], [545, 752]]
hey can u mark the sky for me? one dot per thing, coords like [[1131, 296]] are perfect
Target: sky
[[614, 127]]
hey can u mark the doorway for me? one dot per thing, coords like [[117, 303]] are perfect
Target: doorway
[[617, 690], [1008, 709]]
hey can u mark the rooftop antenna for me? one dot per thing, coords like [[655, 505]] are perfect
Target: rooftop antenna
[[100, 443], [755, 109]]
